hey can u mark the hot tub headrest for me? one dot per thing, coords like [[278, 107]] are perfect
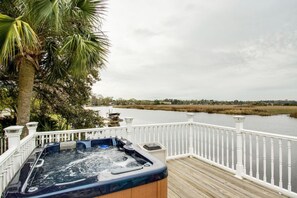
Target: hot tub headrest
[[68, 145]]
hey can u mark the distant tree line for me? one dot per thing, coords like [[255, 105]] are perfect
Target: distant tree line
[[105, 101]]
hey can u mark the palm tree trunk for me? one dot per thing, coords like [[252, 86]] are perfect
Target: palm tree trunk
[[26, 80]]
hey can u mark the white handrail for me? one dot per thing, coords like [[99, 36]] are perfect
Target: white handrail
[[266, 134], [13, 158]]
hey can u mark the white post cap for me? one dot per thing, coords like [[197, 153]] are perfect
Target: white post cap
[[13, 134], [13, 129], [190, 117], [129, 120], [32, 124], [239, 119]]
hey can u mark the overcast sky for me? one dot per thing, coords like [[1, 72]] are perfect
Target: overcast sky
[[201, 49]]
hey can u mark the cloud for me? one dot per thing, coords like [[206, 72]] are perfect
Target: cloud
[[215, 49]]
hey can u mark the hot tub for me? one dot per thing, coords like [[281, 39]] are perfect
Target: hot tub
[[89, 169]]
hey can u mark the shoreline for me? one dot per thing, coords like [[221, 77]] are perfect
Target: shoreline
[[291, 111]]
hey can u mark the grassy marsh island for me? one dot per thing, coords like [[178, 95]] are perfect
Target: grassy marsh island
[[221, 109]]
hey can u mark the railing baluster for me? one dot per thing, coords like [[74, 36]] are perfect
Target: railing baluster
[[272, 161], [144, 135], [158, 134], [202, 141], [280, 164], [154, 133], [289, 167], [161, 134], [213, 145], [222, 138], [149, 132], [209, 142], [232, 144], [244, 152], [227, 149], [218, 146], [175, 138], [251, 156], [257, 156], [155, 137], [186, 135], [179, 140], [204, 134], [198, 139], [195, 139], [42, 141], [183, 139], [166, 136], [140, 131], [264, 159], [171, 140]]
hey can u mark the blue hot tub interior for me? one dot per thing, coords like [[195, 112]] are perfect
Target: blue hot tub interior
[[85, 169]]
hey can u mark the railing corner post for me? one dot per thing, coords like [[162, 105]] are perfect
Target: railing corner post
[[190, 121], [13, 133], [130, 135], [239, 147], [32, 127]]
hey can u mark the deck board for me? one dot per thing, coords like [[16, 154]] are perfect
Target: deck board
[[190, 177]]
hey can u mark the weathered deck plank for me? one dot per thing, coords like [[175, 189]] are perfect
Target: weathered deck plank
[[190, 177]]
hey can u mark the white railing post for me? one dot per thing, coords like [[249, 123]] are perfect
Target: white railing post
[[13, 133], [239, 126], [32, 126], [130, 135], [191, 120]]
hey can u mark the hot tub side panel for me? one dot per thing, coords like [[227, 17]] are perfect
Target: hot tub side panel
[[156, 189]]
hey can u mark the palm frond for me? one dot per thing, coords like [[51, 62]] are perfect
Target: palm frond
[[16, 36], [84, 53], [90, 11], [43, 12], [12, 8]]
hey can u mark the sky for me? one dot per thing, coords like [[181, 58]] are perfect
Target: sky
[[200, 49]]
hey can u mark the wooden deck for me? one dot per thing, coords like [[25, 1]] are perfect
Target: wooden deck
[[190, 177]]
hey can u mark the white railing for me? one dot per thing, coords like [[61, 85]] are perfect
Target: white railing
[[215, 145], [15, 156], [3, 144], [270, 159], [174, 136], [43, 138], [267, 159]]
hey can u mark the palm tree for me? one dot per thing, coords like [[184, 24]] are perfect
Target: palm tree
[[60, 36]]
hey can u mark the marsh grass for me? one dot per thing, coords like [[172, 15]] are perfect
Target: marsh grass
[[222, 109]]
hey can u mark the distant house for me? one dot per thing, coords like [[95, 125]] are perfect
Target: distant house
[[166, 103]]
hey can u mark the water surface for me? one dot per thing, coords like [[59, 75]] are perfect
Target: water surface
[[280, 124]]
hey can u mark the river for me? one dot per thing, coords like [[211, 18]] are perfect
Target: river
[[279, 124]]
